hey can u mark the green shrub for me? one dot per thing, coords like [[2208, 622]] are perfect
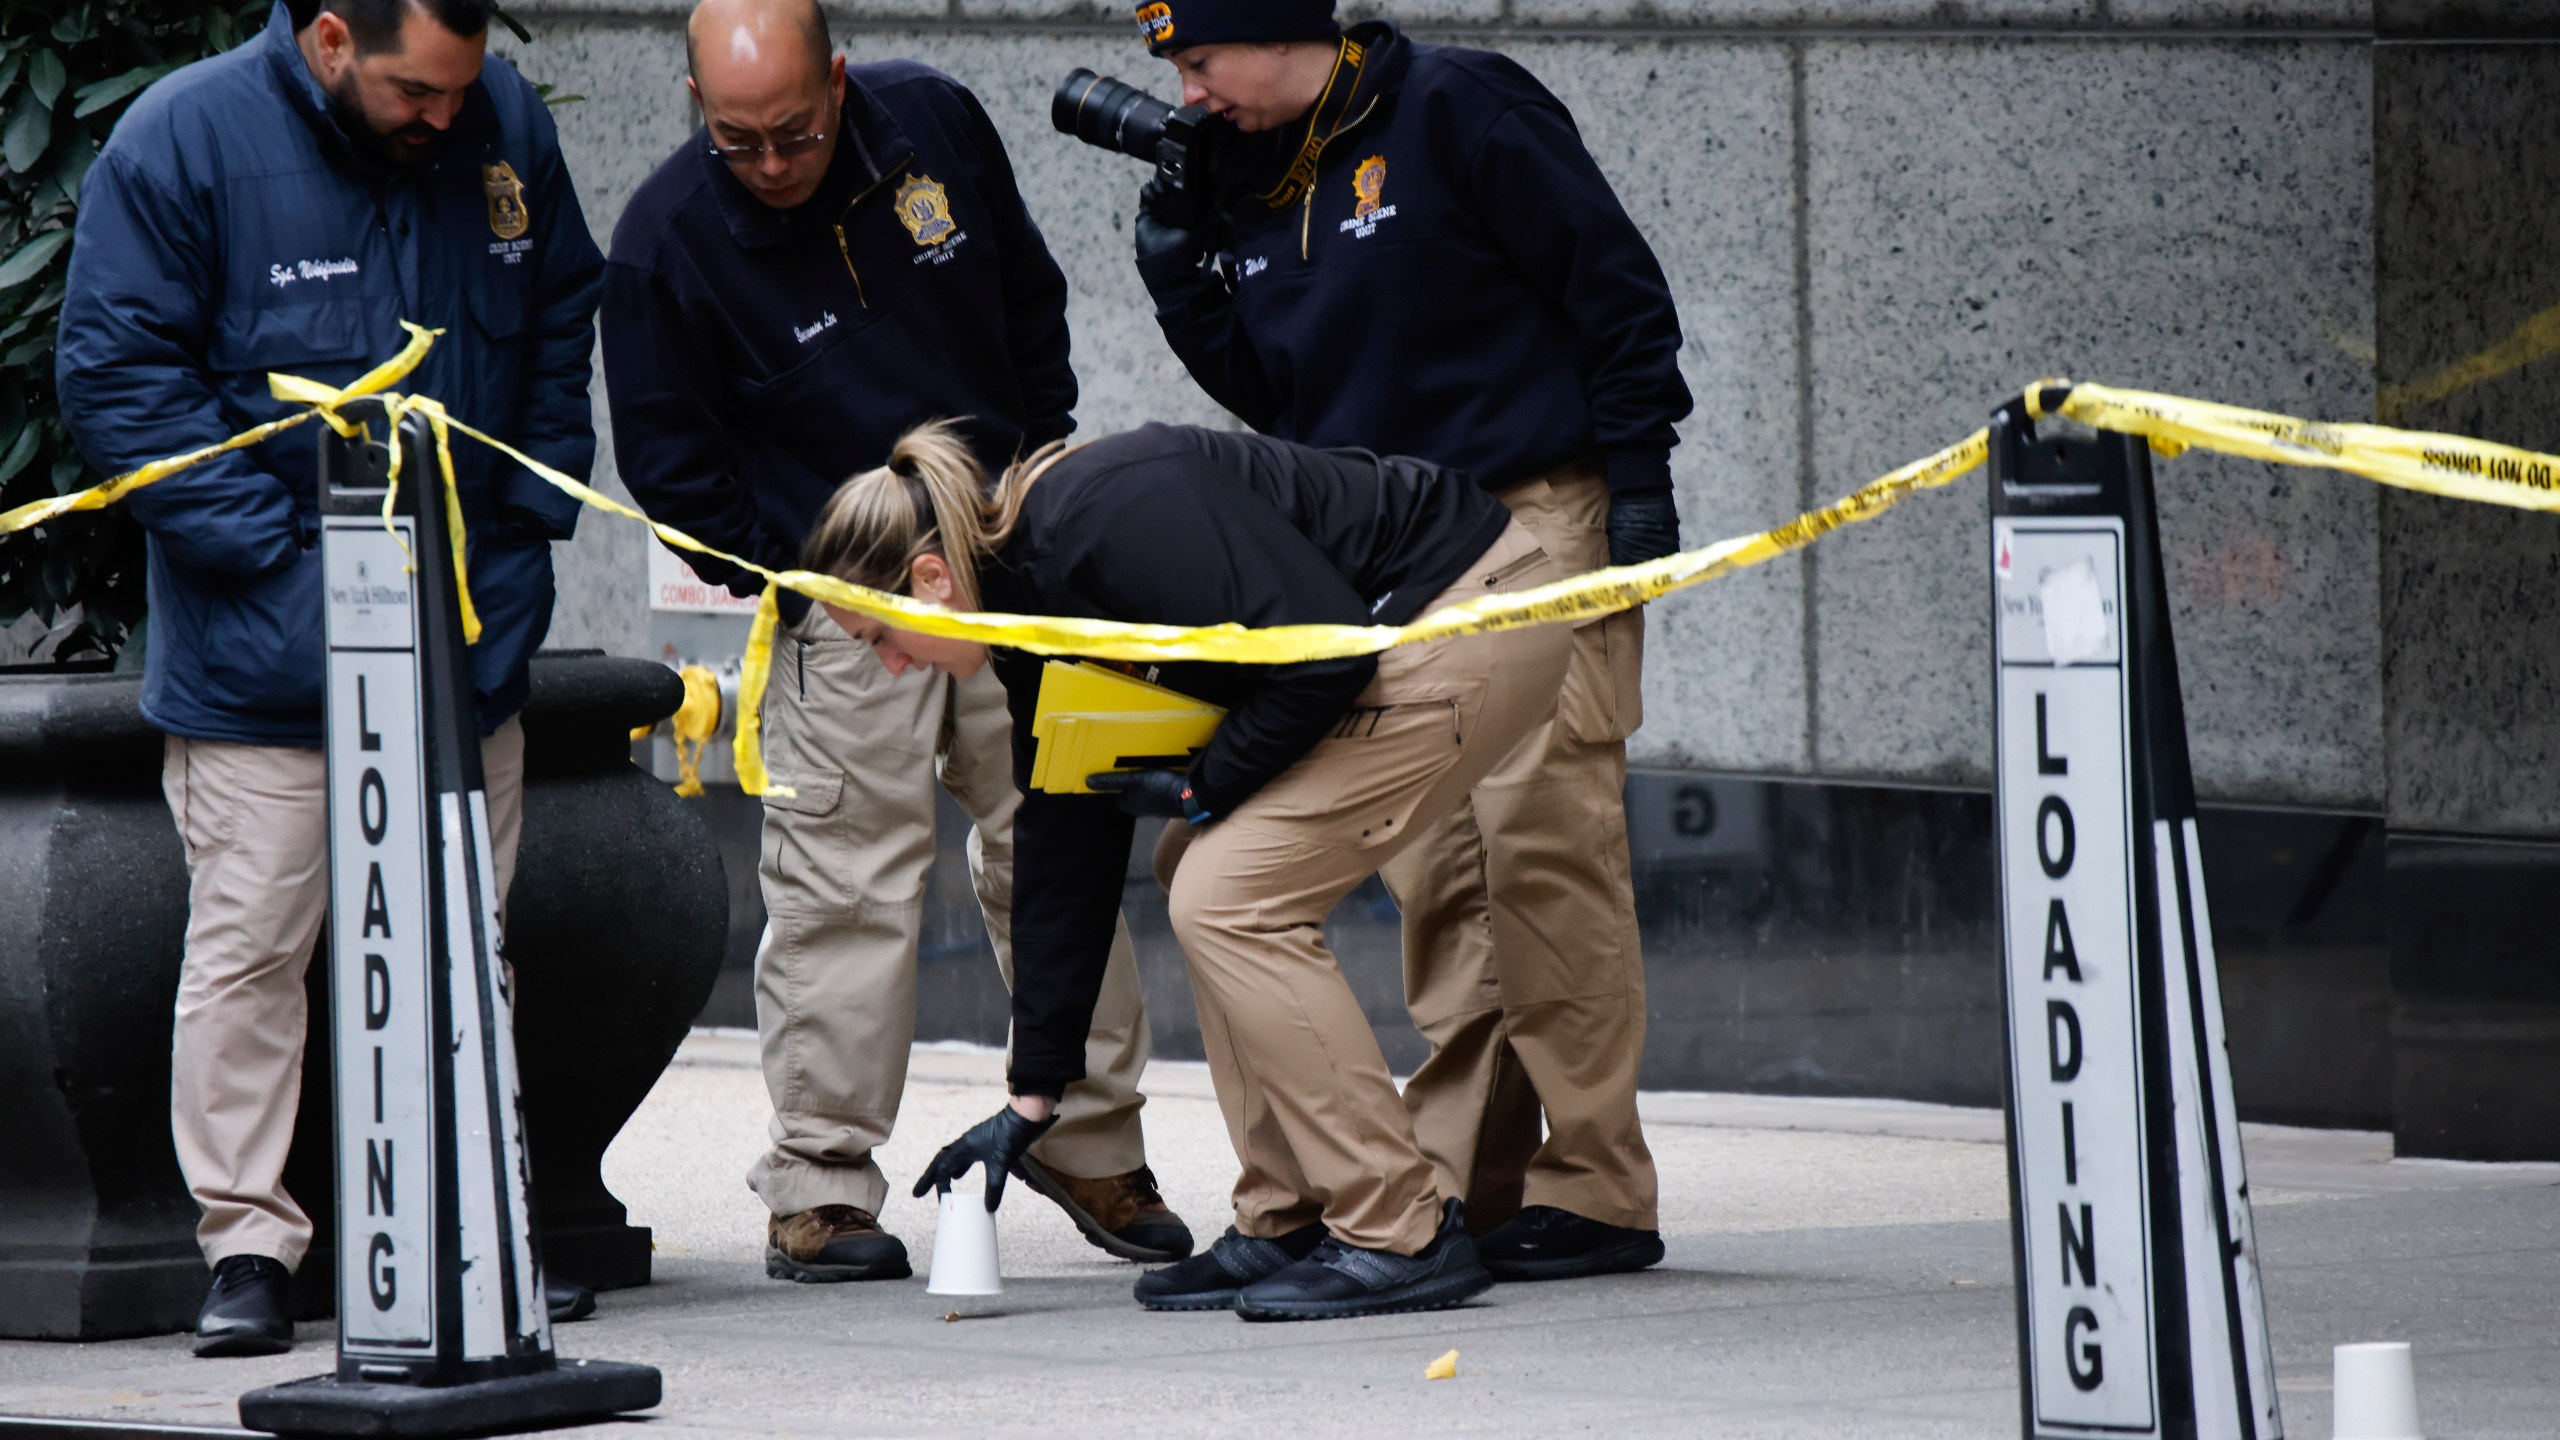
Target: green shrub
[[67, 70]]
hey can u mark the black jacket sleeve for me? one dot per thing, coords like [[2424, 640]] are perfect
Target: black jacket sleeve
[[1071, 853], [1035, 294], [671, 447], [1197, 312], [1585, 257]]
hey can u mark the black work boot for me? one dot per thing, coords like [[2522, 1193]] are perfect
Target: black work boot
[[1210, 1281], [1545, 1243], [567, 1300], [830, 1243], [1341, 1281], [244, 1313], [1123, 1215]]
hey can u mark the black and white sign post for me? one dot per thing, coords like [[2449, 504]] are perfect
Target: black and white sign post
[[2139, 1311], [442, 1325]]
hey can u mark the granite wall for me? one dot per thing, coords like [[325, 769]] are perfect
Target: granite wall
[[1877, 216]]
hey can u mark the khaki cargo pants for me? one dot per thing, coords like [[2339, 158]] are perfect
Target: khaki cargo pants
[[843, 868], [1307, 1098], [1522, 963], [255, 823]]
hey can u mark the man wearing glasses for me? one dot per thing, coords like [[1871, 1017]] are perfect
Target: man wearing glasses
[[838, 255]]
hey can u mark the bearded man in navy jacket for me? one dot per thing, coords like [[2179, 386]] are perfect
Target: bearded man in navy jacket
[[1414, 253], [283, 207]]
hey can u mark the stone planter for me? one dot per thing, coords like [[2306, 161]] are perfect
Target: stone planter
[[615, 927]]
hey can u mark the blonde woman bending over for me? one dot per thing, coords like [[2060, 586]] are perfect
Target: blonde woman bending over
[[1320, 773]]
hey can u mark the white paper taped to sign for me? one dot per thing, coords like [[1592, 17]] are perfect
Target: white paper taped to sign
[[2075, 613]]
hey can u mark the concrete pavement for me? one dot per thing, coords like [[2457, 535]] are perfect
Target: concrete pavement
[[1836, 1268]]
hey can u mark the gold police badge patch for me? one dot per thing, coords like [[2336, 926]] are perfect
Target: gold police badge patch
[[925, 209], [1367, 184], [507, 216]]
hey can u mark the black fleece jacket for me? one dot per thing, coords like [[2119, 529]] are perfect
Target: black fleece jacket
[[756, 358], [1459, 283], [1183, 526]]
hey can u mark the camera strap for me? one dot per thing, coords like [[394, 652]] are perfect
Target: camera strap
[[1324, 122]]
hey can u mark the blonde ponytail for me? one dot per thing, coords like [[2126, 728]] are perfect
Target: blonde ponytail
[[929, 499]]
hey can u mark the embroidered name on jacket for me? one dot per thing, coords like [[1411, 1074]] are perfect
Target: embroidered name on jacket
[[282, 275]]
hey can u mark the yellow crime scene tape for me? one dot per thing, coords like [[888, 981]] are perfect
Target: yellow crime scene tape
[[2453, 466]]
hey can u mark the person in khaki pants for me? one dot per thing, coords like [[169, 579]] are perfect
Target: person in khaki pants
[[279, 208], [1522, 963], [1318, 772], [840, 253], [843, 870], [1545, 364]]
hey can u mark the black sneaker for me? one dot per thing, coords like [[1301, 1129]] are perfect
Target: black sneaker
[[1545, 1243], [244, 1313], [1210, 1281], [1340, 1281]]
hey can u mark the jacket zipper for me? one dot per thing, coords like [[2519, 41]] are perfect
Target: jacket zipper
[[844, 246], [1307, 218]]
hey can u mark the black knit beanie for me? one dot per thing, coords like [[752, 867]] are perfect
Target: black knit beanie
[[1171, 25]]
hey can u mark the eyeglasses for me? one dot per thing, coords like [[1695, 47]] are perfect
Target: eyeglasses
[[750, 154]]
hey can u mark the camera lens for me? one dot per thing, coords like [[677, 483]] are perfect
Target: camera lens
[[1099, 110]]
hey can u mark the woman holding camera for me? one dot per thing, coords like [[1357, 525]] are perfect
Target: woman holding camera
[[1320, 772]]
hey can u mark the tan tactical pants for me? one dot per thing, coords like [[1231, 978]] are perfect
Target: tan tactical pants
[[1308, 1101], [255, 823], [844, 869], [1522, 963]]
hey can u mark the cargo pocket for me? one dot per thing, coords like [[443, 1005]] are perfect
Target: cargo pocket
[[802, 871], [1603, 699], [810, 794], [1359, 787]]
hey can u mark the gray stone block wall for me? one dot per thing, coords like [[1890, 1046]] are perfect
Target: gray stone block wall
[[1877, 218]]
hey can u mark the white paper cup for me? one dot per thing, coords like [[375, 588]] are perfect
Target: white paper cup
[[2375, 1393], [964, 1247]]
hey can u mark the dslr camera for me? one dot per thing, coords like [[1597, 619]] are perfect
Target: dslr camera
[[1180, 141]]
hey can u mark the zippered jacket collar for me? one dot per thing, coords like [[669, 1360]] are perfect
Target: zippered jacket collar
[[870, 148]]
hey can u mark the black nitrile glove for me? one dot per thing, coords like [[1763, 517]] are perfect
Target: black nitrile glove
[[997, 1141], [1165, 793], [1159, 239], [1643, 525]]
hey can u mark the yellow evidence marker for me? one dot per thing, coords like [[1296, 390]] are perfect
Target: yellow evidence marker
[[1444, 1368]]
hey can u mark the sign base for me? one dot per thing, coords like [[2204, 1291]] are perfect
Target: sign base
[[326, 1405]]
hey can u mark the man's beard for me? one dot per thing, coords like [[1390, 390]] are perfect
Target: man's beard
[[390, 150]]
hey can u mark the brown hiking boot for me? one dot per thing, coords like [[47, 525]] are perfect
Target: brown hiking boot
[[1121, 1214], [830, 1243]]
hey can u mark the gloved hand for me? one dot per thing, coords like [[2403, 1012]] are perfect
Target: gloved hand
[[1166, 793], [1159, 238], [1643, 525], [997, 1142]]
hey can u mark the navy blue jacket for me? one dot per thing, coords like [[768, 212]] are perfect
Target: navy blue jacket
[[227, 230], [1458, 284], [755, 358]]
